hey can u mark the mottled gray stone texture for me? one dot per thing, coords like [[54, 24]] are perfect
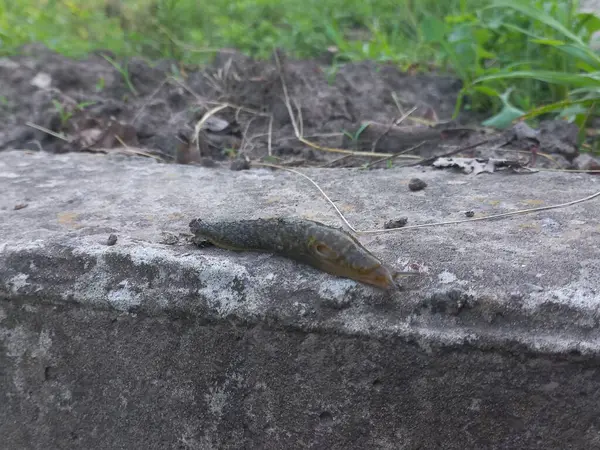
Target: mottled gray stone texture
[[154, 343]]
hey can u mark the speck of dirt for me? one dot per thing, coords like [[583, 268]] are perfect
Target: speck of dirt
[[326, 418], [112, 240], [416, 184], [240, 164], [396, 223]]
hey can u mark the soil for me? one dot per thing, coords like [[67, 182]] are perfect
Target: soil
[[52, 103]]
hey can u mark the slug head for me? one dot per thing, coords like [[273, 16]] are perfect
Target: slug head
[[346, 257]]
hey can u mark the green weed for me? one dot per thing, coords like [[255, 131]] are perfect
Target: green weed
[[356, 135], [123, 70], [190, 31], [522, 59], [66, 113]]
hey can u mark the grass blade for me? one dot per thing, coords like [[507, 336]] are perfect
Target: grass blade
[[590, 80], [537, 14]]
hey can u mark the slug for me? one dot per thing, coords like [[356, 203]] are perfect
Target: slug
[[323, 247]]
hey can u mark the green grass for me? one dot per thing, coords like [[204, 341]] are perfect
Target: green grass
[[513, 56], [377, 29], [525, 60]]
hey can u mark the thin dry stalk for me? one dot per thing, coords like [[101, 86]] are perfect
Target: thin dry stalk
[[136, 151], [202, 121], [245, 139], [49, 132], [393, 123], [270, 138]]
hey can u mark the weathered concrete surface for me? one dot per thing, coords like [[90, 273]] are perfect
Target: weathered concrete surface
[[149, 345]]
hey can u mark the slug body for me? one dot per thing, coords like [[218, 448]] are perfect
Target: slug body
[[326, 248]]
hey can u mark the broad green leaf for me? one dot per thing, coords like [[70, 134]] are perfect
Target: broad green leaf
[[503, 119], [506, 116]]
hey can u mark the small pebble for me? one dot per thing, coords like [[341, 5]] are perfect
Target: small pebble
[[240, 164], [396, 223], [416, 184], [112, 239]]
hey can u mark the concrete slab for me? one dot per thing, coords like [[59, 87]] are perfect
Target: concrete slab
[[154, 343]]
